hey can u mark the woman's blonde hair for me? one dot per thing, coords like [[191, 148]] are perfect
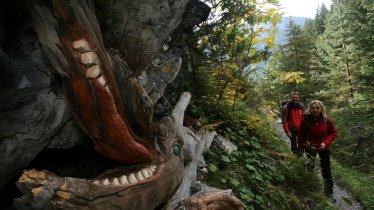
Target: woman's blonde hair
[[318, 103]]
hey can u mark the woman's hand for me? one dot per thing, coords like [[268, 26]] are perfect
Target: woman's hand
[[323, 146], [289, 134]]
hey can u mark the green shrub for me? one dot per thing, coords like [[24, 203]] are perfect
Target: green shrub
[[359, 184]]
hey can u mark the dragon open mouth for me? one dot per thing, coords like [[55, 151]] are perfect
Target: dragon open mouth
[[86, 163], [116, 112], [97, 105], [139, 186]]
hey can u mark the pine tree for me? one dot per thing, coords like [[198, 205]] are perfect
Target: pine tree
[[340, 52], [320, 18], [364, 39], [346, 52], [298, 52]]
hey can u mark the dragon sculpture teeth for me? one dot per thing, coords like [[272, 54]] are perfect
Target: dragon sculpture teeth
[[91, 61], [131, 178]]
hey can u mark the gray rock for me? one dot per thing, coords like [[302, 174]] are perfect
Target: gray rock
[[28, 122], [225, 144]]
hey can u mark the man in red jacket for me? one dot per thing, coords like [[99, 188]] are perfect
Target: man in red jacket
[[292, 114]]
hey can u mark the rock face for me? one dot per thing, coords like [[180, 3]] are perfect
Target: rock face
[[32, 119], [33, 113], [143, 37]]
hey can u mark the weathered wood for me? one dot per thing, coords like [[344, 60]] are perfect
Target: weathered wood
[[195, 145], [43, 189], [212, 200], [179, 109], [111, 100]]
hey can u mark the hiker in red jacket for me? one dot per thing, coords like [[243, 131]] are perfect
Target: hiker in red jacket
[[292, 113], [316, 133]]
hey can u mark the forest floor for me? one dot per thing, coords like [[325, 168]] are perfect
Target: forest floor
[[343, 199]]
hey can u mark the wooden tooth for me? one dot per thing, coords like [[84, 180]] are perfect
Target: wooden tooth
[[93, 72], [132, 179], [89, 59], [145, 173], [123, 180], [139, 176], [115, 181], [106, 182], [81, 46]]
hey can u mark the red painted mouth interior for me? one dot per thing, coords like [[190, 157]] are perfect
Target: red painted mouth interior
[[96, 105]]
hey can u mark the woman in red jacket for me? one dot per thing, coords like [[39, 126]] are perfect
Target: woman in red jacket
[[316, 133]]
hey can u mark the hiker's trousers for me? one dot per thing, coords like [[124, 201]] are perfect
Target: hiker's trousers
[[324, 155], [293, 139]]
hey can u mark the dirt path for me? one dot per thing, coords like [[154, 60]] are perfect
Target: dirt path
[[343, 199]]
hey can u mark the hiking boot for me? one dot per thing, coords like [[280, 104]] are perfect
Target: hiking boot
[[328, 188]]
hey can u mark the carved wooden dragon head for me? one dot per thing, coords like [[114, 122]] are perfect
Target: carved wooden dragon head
[[114, 110]]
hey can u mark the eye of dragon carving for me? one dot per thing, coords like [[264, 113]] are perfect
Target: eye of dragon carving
[[176, 150]]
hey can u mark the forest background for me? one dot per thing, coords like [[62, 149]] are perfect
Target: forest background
[[239, 76]]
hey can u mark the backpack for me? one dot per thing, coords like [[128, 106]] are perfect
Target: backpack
[[284, 103], [286, 109]]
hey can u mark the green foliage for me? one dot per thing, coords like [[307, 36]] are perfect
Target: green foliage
[[290, 77], [342, 59], [346, 56], [293, 65], [329, 58], [261, 172], [354, 147], [339, 70], [320, 19], [227, 48]]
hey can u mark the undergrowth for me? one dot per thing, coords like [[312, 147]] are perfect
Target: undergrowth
[[262, 173], [359, 184]]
